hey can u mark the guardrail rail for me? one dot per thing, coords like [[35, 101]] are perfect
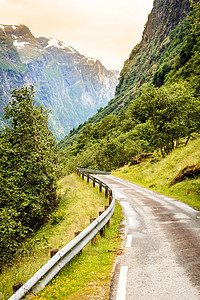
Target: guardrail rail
[[44, 275]]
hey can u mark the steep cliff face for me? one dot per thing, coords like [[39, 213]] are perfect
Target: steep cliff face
[[141, 65], [165, 27], [164, 17], [72, 86]]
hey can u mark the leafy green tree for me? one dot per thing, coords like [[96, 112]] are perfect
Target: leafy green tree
[[173, 112], [28, 163]]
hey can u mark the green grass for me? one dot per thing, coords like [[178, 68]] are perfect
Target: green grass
[[79, 202], [88, 275], [157, 176]]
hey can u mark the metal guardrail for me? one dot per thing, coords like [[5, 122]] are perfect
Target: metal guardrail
[[44, 275], [93, 171]]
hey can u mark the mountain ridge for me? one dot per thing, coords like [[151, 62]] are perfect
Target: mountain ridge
[[69, 84]]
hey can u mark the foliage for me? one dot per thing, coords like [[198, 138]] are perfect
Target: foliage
[[173, 112], [28, 171]]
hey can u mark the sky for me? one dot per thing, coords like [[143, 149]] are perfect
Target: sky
[[103, 29]]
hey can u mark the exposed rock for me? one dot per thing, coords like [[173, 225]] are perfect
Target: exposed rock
[[142, 157], [187, 172], [164, 17]]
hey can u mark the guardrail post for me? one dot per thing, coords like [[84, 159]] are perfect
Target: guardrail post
[[93, 182], [82, 175], [88, 179], [106, 191], [110, 196], [100, 186], [77, 233], [79, 173], [53, 252], [94, 239], [17, 286], [102, 230]]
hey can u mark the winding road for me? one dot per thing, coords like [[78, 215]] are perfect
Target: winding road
[[161, 253]]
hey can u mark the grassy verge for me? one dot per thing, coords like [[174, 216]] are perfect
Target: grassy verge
[[87, 275], [158, 175]]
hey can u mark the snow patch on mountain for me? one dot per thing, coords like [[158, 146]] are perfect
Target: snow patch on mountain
[[60, 45], [19, 45]]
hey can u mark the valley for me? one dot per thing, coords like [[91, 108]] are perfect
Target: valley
[[66, 110]]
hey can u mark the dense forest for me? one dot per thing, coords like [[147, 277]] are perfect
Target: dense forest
[[165, 110]]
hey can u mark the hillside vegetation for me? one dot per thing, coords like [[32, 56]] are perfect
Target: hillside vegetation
[[170, 40], [157, 118]]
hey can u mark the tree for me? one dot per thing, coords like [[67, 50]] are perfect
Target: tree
[[27, 164], [173, 112]]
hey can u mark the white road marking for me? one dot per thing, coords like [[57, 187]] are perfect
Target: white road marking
[[121, 290], [129, 240], [130, 220]]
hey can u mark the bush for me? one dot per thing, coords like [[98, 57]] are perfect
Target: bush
[[12, 234]]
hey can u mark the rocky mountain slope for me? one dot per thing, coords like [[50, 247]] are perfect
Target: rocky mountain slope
[[72, 86], [164, 34]]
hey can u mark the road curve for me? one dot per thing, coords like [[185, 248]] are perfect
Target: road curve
[[161, 255]]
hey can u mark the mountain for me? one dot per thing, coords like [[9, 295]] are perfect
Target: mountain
[[164, 34], [156, 107], [69, 84], [151, 60]]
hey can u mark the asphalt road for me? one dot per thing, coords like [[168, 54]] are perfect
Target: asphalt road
[[161, 253]]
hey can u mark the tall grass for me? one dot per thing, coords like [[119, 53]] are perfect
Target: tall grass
[[79, 202]]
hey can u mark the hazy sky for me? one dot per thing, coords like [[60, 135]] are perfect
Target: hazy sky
[[104, 29]]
